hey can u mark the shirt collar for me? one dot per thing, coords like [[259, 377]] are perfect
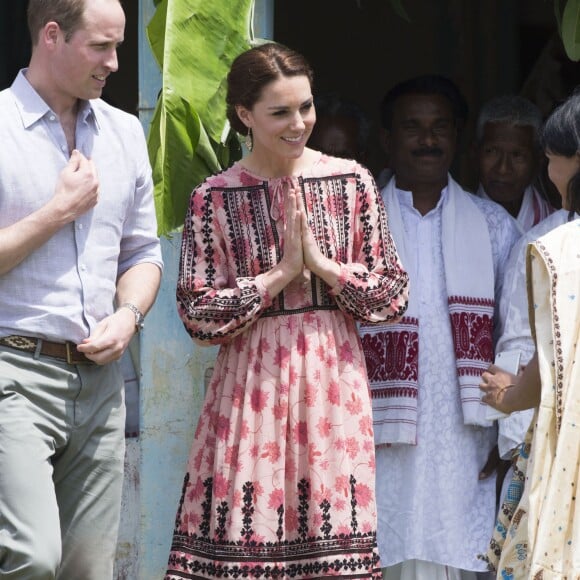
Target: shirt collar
[[32, 106], [406, 197]]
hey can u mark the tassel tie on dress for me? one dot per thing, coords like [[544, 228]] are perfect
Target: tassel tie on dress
[[280, 190]]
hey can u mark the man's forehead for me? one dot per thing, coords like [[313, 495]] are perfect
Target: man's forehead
[[419, 104], [509, 132]]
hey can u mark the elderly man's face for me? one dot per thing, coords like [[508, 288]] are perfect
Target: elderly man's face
[[421, 142], [508, 161]]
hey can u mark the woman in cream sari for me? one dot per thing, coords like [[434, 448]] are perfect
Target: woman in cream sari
[[540, 538]]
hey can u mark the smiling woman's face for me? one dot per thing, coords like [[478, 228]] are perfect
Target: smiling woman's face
[[282, 119]]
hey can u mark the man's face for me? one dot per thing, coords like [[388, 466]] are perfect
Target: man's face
[[421, 142], [82, 65], [508, 161]]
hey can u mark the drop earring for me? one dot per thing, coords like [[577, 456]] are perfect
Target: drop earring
[[249, 140]]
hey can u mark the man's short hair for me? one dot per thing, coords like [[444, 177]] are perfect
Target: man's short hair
[[511, 110], [67, 13], [425, 85]]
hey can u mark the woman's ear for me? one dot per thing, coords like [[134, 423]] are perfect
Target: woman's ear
[[244, 115]]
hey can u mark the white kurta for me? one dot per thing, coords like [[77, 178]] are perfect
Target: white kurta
[[515, 333], [535, 207], [431, 505]]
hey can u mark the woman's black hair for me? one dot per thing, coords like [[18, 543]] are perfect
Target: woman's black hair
[[561, 136]]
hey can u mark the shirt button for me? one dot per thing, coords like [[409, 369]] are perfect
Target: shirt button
[[83, 267], [52, 117], [80, 226], [63, 147]]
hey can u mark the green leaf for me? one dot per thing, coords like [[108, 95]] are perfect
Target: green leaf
[[571, 29], [156, 31], [194, 42], [400, 9]]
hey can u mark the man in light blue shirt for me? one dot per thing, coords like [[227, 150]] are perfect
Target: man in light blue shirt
[[80, 265]]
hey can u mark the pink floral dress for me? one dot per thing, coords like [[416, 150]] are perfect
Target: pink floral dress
[[281, 476]]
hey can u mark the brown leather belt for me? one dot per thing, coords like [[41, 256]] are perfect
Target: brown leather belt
[[66, 351]]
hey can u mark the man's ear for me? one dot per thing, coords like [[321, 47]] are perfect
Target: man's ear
[[50, 34]]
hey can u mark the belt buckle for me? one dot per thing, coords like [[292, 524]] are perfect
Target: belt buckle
[[70, 355]]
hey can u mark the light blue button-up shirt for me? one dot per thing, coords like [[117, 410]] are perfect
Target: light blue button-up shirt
[[65, 287]]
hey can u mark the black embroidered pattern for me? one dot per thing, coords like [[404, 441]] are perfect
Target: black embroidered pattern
[[314, 554], [248, 511], [303, 493], [326, 527], [241, 218]]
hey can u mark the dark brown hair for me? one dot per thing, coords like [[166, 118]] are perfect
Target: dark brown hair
[[252, 70]]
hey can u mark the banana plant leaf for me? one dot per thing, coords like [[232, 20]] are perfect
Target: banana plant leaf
[[194, 42], [570, 29]]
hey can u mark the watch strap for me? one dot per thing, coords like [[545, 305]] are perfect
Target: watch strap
[[139, 316]]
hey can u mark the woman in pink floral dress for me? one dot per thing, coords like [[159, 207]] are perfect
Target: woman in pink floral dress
[[282, 254]]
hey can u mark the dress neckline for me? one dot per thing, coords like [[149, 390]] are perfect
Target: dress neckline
[[307, 171]]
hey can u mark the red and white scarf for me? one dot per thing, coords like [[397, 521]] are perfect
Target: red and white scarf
[[392, 352]]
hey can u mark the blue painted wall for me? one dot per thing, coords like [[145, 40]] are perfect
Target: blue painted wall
[[172, 369]]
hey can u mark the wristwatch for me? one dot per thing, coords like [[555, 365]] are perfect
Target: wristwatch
[[139, 317]]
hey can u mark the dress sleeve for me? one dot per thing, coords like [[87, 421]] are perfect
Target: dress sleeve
[[212, 304], [373, 286]]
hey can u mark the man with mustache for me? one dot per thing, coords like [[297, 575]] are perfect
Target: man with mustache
[[431, 432]]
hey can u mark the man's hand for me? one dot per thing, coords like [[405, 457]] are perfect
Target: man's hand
[[495, 464], [77, 188], [494, 383], [76, 191], [111, 337]]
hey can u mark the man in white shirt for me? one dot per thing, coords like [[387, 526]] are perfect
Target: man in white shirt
[[80, 266], [435, 514], [515, 332], [508, 157]]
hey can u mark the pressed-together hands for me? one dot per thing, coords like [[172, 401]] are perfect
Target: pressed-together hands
[[300, 248]]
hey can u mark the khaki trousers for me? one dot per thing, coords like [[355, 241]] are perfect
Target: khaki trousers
[[61, 467], [421, 570]]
